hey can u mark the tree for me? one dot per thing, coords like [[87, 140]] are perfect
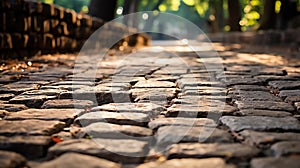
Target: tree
[[234, 10], [268, 20], [104, 9]]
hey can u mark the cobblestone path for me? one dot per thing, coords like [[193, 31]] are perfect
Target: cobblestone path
[[157, 107]]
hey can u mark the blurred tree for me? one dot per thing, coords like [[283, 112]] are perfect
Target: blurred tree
[[234, 10], [268, 20], [104, 9]]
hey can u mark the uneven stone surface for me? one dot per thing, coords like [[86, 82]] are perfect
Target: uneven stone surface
[[11, 159], [198, 150], [30, 127], [269, 113], [276, 162], [67, 103], [285, 85], [286, 148], [193, 122], [191, 163], [71, 160], [261, 123], [265, 105], [125, 151]]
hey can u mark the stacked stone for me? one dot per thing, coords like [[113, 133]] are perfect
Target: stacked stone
[[30, 28]]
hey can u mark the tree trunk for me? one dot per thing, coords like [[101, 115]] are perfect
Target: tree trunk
[[234, 15], [288, 11], [268, 20], [131, 6], [104, 9]]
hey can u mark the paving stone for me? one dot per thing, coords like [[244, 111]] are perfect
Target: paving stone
[[261, 123], [205, 92], [257, 96], [48, 92], [12, 107], [148, 108], [297, 104], [268, 78], [276, 162], [189, 99], [124, 118], [286, 148], [169, 135], [114, 131], [292, 99], [112, 84], [125, 151], [261, 138], [195, 122], [65, 115], [194, 82], [251, 88], [265, 105], [199, 150], [30, 127], [285, 85], [6, 96], [154, 84], [11, 159], [32, 101], [288, 93], [32, 147], [242, 81], [198, 111], [191, 163], [153, 94], [71, 160], [63, 87], [67, 103], [270, 113], [3, 113], [18, 87]]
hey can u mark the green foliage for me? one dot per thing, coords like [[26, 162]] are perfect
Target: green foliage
[[77, 5]]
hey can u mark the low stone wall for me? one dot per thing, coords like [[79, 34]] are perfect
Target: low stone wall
[[32, 28]]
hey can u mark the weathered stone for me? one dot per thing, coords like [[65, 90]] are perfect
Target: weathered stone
[[205, 92], [31, 147], [287, 93], [250, 88], [188, 99], [192, 163], [285, 85], [30, 127], [6, 96], [11, 159], [169, 135], [67, 103], [199, 150], [124, 118], [292, 99], [66, 115], [198, 111], [276, 162], [148, 108], [48, 92], [3, 113], [114, 131], [193, 122], [242, 81], [261, 138], [71, 160], [154, 84], [194, 82], [270, 113], [286, 148], [268, 78], [18, 87], [265, 105], [261, 123], [257, 96], [32, 101], [63, 87], [12, 107], [153, 94], [125, 151], [297, 104]]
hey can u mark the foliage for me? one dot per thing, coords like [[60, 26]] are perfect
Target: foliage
[[77, 5]]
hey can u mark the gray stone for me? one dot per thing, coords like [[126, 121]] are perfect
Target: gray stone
[[169, 135], [287, 93], [200, 150], [191, 163], [297, 104], [125, 151], [261, 138], [139, 119], [153, 84], [276, 162], [67, 103], [250, 88], [199, 111], [18, 87], [260, 123], [63, 87], [195, 122], [285, 85], [286, 148], [48, 92], [148, 108], [242, 81], [66, 115], [292, 99], [270, 113], [30, 127], [31, 147], [265, 105], [11, 159], [194, 82], [153, 94], [114, 131], [72, 160], [257, 96], [188, 99], [32, 101]]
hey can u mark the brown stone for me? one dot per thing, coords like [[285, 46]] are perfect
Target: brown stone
[[11, 159], [67, 103]]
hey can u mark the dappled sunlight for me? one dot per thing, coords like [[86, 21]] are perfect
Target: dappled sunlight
[[265, 59]]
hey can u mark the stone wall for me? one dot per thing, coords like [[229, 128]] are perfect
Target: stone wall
[[33, 28]]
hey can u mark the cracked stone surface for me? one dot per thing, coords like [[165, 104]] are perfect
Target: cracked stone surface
[[153, 107]]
